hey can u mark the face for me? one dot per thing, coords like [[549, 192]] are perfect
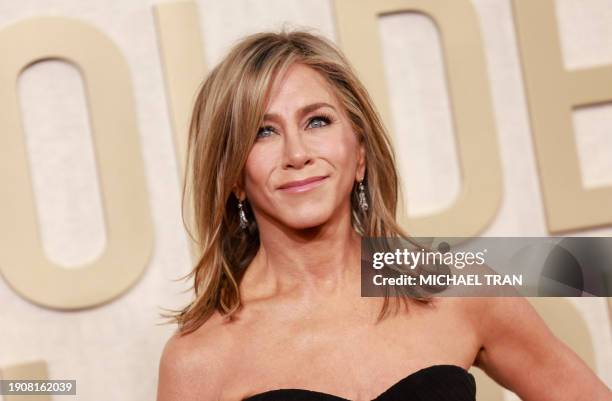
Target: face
[[306, 158]]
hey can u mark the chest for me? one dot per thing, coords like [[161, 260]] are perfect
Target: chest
[[344, 355]]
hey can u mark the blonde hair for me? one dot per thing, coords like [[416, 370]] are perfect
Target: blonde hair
[[228, 110]]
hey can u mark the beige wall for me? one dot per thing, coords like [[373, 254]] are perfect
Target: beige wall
[[112, 347]]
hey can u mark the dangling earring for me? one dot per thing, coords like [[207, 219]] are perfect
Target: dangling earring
[[363, 203], [244, 223]]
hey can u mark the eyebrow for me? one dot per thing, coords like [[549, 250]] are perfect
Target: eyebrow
[[302, 111]]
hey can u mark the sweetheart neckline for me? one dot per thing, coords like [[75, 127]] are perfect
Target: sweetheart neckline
[[396, 384]]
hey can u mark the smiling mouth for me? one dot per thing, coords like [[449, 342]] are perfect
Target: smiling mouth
[[303, 185]]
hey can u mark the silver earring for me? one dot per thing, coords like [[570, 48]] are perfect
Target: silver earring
[[363, 203], [244, 223]]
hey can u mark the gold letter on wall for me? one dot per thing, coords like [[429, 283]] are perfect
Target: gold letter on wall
[[106, 78], [180, 46], [553, 91], [481, 191], [181, 50]]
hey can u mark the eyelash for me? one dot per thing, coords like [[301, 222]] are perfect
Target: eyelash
[[325, 118]]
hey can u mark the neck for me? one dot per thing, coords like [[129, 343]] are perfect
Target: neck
[[311, 261]]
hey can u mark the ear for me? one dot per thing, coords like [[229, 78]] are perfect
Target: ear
[[238, 192], [238, 187], [361, 162]]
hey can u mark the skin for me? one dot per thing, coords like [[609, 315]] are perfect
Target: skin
[[304, 324]]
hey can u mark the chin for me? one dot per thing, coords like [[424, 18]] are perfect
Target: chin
[[297, 219]]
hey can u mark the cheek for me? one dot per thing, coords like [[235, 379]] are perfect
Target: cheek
[[340, 149], [256, 170]]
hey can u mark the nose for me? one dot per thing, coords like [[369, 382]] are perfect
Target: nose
[[296, 153]]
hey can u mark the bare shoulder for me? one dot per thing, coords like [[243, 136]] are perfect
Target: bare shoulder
[[522, 354], [490, 315], [191, 365], [470, 310], [502, 321], [505, 318]]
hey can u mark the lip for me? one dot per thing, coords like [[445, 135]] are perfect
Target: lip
[[303, 185]]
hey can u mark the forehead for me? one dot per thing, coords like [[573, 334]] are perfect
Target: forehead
[[300, 85]]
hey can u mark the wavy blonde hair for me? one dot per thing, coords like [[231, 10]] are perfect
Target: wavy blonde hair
[[228, 110]]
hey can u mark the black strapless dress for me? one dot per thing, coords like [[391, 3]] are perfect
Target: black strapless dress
[[433, 383]]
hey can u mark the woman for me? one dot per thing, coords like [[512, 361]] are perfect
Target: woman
[[290, 166]]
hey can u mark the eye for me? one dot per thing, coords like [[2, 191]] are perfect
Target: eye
[[265, 132], [319, 121]]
